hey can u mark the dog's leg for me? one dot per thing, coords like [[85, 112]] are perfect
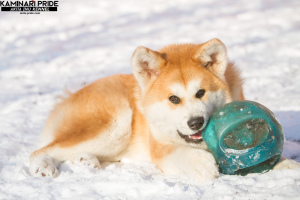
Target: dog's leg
[[96, 121], [86, 159], [285, 163]]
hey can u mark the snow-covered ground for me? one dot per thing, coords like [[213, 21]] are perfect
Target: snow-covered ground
[[43, 55]]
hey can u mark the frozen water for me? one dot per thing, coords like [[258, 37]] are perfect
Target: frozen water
[[44, 55]]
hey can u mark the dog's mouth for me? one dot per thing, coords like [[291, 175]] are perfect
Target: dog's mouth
[[194, 138]]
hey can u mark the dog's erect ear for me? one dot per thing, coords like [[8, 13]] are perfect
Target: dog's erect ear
[[213, 56], [146, 65]]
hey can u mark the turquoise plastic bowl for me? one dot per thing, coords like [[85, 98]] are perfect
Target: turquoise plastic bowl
[[244, 137]]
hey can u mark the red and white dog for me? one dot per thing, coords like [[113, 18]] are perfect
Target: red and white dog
[[157, 114]]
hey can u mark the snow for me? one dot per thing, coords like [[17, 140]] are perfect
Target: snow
[[44, 55]]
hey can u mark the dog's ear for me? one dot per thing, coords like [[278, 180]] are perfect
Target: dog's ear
[[213, 56], [146, 65]]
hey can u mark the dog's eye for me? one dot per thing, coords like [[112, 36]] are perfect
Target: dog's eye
[[206, 64], [200, 93], [174, 99]]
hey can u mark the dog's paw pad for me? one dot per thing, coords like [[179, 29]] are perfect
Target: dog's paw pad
[[43, 168], [87, 160]]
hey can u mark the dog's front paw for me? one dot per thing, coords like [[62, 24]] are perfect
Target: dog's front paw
[[86, 159], [285, 163], [43, 167], [206, 167], [194, 163]]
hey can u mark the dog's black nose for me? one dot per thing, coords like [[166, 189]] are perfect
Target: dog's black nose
[[196, 123]]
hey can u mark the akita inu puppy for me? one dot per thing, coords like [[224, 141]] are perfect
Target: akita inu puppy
[[157, 114]]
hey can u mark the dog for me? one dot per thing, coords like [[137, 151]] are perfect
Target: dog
[[157, 114]]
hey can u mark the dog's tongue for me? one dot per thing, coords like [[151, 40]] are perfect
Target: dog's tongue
[[197, 135]]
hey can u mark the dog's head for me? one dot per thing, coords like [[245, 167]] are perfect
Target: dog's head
[[182, 85]]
